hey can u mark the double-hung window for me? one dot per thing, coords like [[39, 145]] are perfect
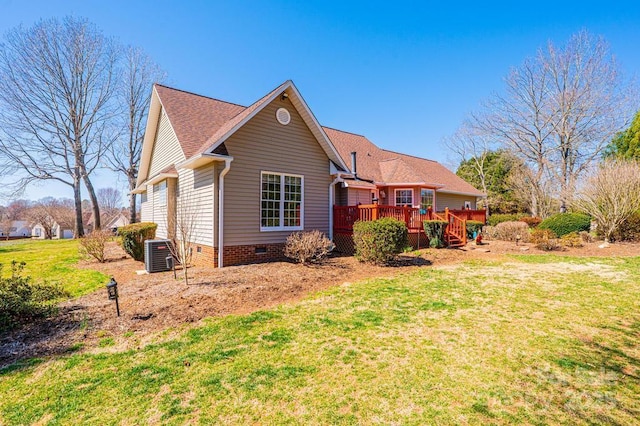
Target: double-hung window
[[404, 197], [281, 202], [426, 199]]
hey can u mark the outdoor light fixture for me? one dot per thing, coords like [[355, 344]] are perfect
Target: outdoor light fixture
[[112, 291], [284, 96], [518, 238]]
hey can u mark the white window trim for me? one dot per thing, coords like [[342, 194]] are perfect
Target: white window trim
[[395, 195], [282, 227]]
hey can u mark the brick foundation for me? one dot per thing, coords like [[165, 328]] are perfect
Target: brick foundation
[[238, 255]]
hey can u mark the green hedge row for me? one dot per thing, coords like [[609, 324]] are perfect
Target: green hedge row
[[379, 241]]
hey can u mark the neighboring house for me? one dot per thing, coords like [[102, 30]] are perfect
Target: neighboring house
[[116, 222], [247, 177], [18, 229], [58, 232]]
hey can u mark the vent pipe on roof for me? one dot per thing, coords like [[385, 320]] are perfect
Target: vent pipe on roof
[[354, 168]]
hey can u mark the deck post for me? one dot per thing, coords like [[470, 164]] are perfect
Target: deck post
[[446, 214], [407, 216], [374, 212]]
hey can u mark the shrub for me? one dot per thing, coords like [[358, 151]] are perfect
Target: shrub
[[539, 235], [305, 247], [509, 231], [586, 237], [93, 244], [629, 230], [545, 239], [134, 236], [495, 219], [532, 221], [21, 300], [379, 241], [571, 240], [566, 223], [473, 228], [434, 230]]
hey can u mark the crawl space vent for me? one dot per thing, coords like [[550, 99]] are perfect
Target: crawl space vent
[[283, 116]]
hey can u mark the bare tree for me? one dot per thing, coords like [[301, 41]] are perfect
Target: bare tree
[[134, 92], [110, 200], [57, 79], [469, 143], [611, 194], [17, 209], [181, 230], [43, 212], [559, 111], [5, 222]]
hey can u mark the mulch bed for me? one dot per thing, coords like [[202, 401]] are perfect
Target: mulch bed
[[152, 303]]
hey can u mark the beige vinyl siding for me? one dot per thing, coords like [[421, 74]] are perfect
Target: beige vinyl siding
[[159, 212], [196, 200], [453, 201], [263, 144], [358, 196], [166, 150]]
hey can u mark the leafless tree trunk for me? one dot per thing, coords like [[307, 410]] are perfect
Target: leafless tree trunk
[[134, 91], [560, 110], [611, 194], [181, 229], [56, 87]]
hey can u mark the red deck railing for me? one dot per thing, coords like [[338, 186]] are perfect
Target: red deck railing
[[345, 216]]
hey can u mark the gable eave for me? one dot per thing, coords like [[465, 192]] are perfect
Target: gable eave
[[305, 112]]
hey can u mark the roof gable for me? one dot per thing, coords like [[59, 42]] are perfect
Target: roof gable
[[389, 168]]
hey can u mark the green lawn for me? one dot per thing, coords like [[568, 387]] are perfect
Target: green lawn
[[54, 261], [533, 340]]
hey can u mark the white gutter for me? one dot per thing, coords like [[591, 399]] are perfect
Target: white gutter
[[332, 186], [227, 166]]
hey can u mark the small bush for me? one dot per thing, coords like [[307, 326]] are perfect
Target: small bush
[[434, 230], [629, 230], [473, 228], [134, 236], [586, 237], [93, 244], [566, 223], [379, 241], [308, 247], [539, 235], [532, 221], [22, 301], [545, 239], [509, 231], [571, 240], [495, 219]]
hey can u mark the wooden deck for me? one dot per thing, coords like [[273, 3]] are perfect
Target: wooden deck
[[345, 216]]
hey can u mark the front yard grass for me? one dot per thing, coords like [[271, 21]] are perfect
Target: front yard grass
[[532, 339], [53, 261]]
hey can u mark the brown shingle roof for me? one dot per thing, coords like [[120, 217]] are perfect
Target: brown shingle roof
[[383, 166], [195, 118], [200, 122]]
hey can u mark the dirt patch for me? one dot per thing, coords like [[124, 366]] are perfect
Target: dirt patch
[[153, 303]]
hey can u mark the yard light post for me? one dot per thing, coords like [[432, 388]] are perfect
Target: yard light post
[[112, 291]]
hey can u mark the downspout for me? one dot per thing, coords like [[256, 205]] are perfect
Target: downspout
[[227, 166], [332, 186]]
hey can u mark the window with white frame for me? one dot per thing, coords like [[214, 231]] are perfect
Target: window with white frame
[[426, 199], [404, 197], [281, 201], [143, 197], [161, 190]]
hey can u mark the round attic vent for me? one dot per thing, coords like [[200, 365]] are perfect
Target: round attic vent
[[283, 116]]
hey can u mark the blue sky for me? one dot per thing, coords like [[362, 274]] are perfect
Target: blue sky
[[404, 74]]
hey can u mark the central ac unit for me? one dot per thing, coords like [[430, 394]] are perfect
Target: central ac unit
[[155, 255]]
